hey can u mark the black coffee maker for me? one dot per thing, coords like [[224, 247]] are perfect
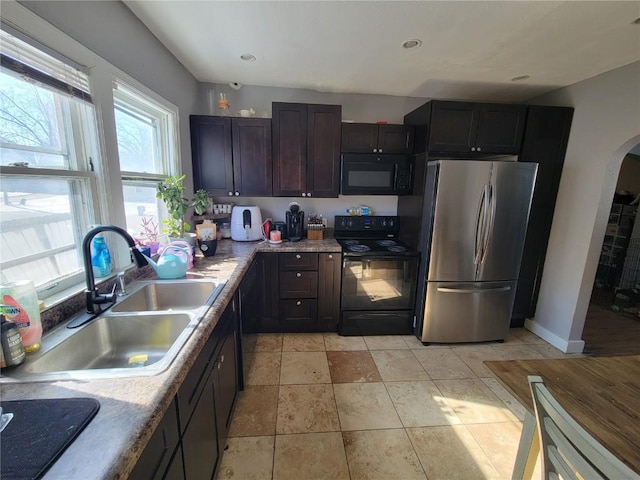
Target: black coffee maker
[[295, 222]]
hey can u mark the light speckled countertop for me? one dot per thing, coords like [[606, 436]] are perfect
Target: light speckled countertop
[[131, 408]]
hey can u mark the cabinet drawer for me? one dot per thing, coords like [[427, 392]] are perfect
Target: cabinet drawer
[[298, 261], [303, 284], [302, 312]]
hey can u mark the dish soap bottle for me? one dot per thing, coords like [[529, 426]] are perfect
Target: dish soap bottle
[[21, 307], [11, 351], [100, 257]]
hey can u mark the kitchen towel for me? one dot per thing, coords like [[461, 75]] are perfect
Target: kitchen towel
[[39, 432]]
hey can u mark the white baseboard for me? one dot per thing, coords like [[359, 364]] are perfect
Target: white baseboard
[[566, 346]]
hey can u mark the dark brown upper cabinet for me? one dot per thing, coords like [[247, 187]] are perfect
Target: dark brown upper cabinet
[[470, 129], [231, 156], [374, 138], [306, 150]]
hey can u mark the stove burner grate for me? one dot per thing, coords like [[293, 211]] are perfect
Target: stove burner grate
[[386, 243], [359, 248], [396, 248]]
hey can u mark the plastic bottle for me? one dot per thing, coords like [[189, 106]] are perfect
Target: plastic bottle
[[100, 257], [11, 351], [21, 306]]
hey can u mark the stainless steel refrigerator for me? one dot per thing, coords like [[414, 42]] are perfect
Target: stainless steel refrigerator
[[476, 214]]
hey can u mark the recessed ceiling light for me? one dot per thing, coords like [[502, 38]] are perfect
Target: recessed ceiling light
[[247, 57], [520, 78], [414, 43]]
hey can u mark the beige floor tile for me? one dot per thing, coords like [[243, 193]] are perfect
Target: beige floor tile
[[333, 341], [500, 442], [451, 453], [381, 455], [307, 408], [304, 367], [365, 406], [474, 356], [398, 365], [473, 401], [386, 342], [264, 368], [412, 341], [308, 456], [525, 335], [512, 340], [247, 458], [518, 352], [512, 403], [420, 404], [268, 342], [255, 412], [352, 367], [303, 342], [442, 363]]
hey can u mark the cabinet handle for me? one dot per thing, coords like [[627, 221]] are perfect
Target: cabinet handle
[[221, 358], [473, 149], [298, 275], [478, 149], [218, 366], [375, 150], [298, 303], [298, 256], [308, 194], [237, 194]]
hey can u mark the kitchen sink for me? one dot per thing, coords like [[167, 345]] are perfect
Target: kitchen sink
[[141, 337], [176, 295], [127, 341]]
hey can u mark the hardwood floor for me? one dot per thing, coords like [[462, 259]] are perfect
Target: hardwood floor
[[609, 333]]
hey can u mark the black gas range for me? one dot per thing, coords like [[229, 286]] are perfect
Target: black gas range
[[379, 276]]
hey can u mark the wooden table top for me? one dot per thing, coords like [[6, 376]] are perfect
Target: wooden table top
[[601, 393]]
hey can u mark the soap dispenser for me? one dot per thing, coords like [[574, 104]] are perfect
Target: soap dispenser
[[12, 351]]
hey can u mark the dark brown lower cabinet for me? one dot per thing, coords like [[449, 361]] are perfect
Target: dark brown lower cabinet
[[189, 441]]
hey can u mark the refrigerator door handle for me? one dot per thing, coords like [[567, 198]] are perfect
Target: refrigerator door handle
[[506, 288], [491, 216], [480, 225]]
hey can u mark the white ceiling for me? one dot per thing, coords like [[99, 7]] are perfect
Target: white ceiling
[[470, 50]]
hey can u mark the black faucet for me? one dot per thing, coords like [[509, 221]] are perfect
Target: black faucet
[[93, 298]]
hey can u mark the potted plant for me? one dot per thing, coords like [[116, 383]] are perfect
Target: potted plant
[[149, 237], [171, 192], [200, 201]]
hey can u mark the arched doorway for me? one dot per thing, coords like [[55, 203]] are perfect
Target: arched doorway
[[612, 324]]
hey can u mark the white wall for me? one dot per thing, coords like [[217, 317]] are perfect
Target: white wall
[[606, 125]]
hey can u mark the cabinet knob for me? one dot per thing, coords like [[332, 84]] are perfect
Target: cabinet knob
[[304, 194], [330, 256], [473, 149], [298, 303], [308, 194], [298, 274], [379, 150], [298, 256], [478, 149], [237, 194], [221, 358], [231, 194], [375, 150], [218, 365]]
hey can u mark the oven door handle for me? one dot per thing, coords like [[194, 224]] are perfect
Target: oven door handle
[[473, 290]]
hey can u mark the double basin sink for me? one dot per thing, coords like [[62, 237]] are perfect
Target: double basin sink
[[138, 336]]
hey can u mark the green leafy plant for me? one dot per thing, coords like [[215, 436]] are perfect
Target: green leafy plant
[[171, 192], [200, 201]]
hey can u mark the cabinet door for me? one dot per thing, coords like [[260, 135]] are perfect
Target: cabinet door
[[545, 142], [298, 261], [267, 284], [395, 139], [249, 299], [225, 386], [175, 471], [323, 150], [211, 154], [500, 128], [299, 315], [329, 281], [453, 126], [359, 138], [252, 165], [289, 123], [302, 284], [200, 440]]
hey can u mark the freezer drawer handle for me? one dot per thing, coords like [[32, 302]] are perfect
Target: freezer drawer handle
[[471, 290]]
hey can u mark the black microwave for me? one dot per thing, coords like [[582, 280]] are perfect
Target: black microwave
[[367, 174]]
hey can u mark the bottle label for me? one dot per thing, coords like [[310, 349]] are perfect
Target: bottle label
[[14, 312]]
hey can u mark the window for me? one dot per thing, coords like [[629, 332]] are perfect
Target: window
[[146, 130], [48, 148]]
